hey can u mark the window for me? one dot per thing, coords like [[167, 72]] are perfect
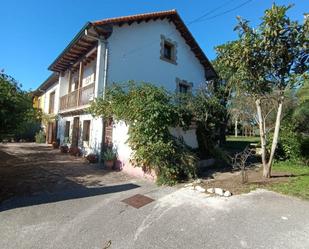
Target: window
[[51, 108], [183, 86], [168, 50], [86, 130], [67, 129]]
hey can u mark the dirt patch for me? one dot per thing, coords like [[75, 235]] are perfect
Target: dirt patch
[[232, 181], [30, 169]]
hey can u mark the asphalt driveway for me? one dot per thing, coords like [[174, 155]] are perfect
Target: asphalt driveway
[[95, 217]]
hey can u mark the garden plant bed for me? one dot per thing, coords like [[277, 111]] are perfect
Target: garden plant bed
[[231, 181]]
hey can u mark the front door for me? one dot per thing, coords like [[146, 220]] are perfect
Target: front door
[[51, 135], [75, 132], [108, 133]]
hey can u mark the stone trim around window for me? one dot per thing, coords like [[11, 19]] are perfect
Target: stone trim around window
[[183, 82], [173, 44]]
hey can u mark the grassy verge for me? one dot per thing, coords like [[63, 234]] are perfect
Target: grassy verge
[[298, 185]]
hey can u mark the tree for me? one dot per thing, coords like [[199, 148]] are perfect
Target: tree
[[301, 112], [223, 86], [271, 58], [209, 113], [242, 110], [15, 106]]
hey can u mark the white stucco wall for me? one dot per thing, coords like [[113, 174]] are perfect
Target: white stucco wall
[[53, 88], [89, 73], [120, 137], [188, 136], [63, 84], [95, 137], [134, 54]]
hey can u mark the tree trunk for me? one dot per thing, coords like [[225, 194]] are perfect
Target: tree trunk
[[236, 130], [262, 133], [275, 139], [223, 125]]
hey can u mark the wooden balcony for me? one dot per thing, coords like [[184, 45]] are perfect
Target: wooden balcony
[[77, 98]]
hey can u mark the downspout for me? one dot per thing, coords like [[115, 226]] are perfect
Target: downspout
[[102, 39], [104, 91], [105, 67], [43, 110]]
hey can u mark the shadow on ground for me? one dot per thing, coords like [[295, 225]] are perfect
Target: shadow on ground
[[32, 174], [75, 193]]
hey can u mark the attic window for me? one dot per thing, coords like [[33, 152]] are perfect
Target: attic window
[[168, 50]]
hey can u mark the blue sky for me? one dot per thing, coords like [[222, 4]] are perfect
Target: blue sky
[[34, 32]]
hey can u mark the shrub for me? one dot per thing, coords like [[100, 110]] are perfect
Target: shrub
[[55, 144], [64, 149], [181, 165], [28, 130], [109, 154], [75, 151], [92, 158], [290, 142], [304, 148], [150, 111], [40, 137]]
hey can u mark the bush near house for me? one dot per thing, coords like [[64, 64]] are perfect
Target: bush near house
[[150, 111], [18, 118], [40, 137]]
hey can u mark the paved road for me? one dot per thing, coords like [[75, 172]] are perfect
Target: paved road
[[57, 201], [178, 218]]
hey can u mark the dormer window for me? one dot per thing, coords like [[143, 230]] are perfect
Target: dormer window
[[168, 50]]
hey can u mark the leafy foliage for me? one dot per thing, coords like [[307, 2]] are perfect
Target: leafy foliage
[[40, 137], [271, 58], [109, 154], [208, 112], [15, 107], [150, 111]]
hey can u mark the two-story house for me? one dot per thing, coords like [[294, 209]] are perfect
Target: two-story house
[[154, 47], [46, 98]]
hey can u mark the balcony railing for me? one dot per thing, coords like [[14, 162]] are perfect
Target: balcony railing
[[80, 97]]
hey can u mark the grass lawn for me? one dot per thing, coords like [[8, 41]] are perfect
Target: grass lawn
[[290, 178], [299, 183]]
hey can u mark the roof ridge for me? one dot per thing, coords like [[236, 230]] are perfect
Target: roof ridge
[[162, 12]]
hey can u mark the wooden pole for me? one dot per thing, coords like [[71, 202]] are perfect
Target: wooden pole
[[80, 79], [70, 81]]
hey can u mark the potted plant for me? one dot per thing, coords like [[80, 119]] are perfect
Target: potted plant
[[64, 149], [55, 145], [92, 158], [109, 156], [75, 151]]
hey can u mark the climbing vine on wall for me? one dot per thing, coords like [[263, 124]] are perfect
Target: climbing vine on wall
[[150, 111]]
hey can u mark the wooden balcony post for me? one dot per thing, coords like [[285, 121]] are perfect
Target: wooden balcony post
[[80, 80], [99, 74], [70, 81]]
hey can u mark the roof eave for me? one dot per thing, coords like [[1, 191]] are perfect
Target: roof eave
[[76, 38]]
